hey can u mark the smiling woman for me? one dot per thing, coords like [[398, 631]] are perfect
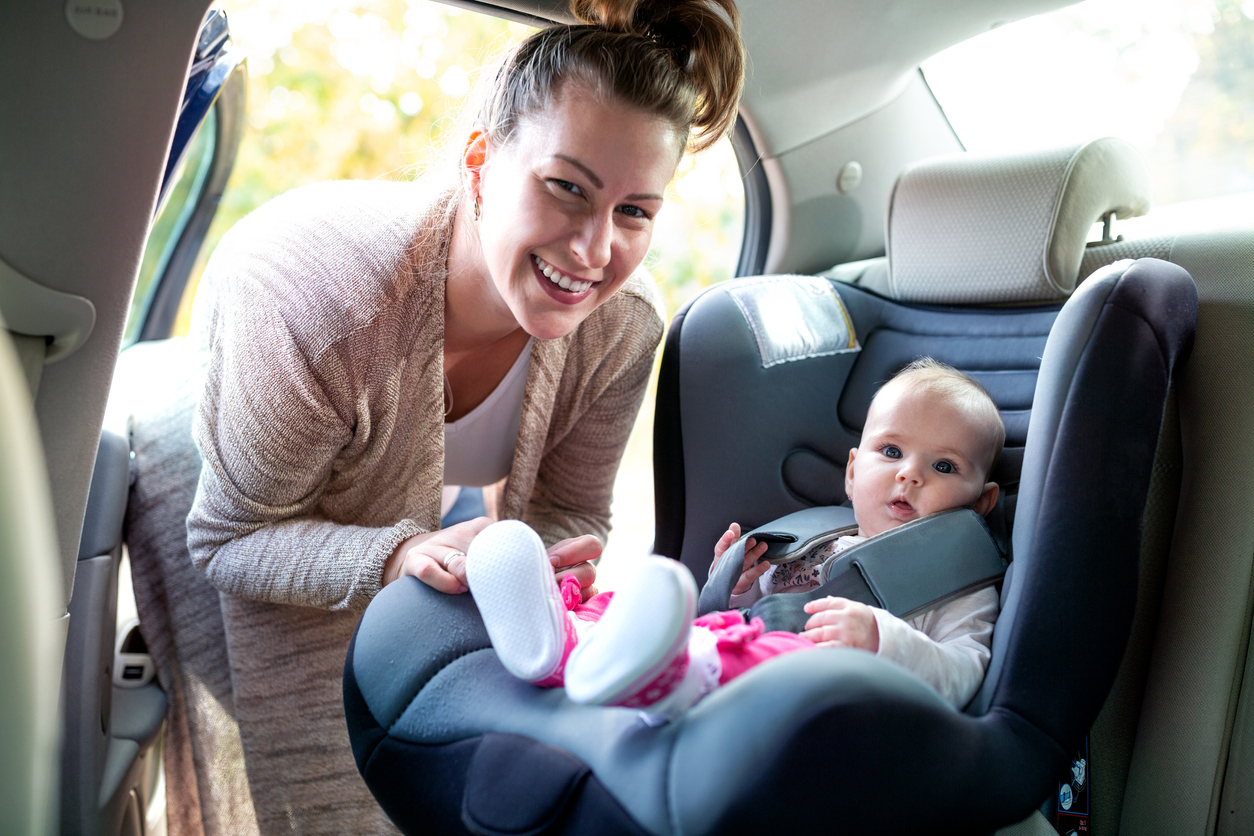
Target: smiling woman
[[355, 335]]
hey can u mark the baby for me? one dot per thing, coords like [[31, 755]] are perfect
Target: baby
[[929, 443]]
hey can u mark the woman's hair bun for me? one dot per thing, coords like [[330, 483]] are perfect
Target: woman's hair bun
[[702, 36]]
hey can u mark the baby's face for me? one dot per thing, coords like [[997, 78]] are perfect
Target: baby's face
[[919, 454]]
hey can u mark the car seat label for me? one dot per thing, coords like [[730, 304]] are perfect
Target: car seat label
[[794, 318], [1072, 816]]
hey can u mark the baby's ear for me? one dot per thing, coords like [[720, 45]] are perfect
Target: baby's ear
[[853, 452], [987, 499]]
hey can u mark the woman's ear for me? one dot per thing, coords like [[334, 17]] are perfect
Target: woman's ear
[[474, 157], [987, 499]]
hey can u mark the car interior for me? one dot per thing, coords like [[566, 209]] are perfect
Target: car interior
[[871, 236]]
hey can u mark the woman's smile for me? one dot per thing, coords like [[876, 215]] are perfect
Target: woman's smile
[[563, 287]]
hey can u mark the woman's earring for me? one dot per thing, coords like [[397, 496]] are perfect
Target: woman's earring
[[476, 207]]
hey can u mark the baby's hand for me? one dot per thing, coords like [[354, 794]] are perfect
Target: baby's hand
[[839, 622], [753, 552]]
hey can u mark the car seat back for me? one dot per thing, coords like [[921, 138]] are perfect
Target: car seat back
[[983, 251], [448, 742], [958, 226]]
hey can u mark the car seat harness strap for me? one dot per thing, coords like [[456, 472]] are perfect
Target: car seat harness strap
[[908, 570]]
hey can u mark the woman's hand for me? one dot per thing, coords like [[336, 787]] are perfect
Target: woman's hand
[[752, 570], [839, 622], [571, 556], [437, 558]]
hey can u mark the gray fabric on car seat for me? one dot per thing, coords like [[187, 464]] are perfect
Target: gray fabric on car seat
[[663, 776], [972, 229], [1176, 782]]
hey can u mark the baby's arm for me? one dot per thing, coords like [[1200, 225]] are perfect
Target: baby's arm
[[839, 622], [948, 648], [753, 552]]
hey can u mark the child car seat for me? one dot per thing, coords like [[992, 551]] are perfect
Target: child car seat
[[450, 742]]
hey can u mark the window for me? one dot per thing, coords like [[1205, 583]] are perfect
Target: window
[[172, 219], [1173, 77]]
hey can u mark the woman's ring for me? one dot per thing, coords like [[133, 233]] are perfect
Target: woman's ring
[[444, 563]]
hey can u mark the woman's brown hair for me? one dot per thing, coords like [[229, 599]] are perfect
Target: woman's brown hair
[[679, 59]]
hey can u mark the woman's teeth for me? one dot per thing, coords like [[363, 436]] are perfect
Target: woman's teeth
[[558, 278]]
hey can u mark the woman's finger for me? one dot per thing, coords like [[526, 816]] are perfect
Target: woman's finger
[[455, 565], [459, 536], [588, 592], [585, 573], [574, 550], [429, 571]]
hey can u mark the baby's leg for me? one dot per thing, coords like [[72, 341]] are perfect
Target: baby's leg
[[529, 619], [643, 653], [742, 646]]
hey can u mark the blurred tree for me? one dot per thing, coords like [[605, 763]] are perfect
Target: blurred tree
[[1207, 146]]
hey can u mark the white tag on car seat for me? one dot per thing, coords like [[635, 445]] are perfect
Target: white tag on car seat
[[794, 318]]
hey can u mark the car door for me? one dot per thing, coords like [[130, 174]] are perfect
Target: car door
[[111, 772]]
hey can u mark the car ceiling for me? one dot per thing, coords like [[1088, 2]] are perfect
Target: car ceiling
[[818, 65], [85, 127]]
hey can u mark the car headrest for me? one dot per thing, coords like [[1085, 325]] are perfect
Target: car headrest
[[971, 229]]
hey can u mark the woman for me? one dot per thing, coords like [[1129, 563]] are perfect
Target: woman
[[367, 343]]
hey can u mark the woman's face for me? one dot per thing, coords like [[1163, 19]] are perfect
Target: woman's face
[[567, 206]]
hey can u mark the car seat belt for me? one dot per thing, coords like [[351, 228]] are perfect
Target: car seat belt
[[907, 570]]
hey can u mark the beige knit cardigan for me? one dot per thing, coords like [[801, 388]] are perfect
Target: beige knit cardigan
[[320, 424]]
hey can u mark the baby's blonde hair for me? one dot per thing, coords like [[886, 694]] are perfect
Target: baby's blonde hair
[[963, 391]]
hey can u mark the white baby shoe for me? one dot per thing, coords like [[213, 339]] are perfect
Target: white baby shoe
[[512, 582], [638, 652]]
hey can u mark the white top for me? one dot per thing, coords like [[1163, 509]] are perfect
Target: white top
[[479, 446], [948, 648]]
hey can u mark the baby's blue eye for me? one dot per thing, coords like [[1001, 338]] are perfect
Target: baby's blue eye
[[943, 467], [891, 452]]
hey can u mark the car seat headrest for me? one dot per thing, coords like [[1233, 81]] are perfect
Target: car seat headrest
[[970, 229]]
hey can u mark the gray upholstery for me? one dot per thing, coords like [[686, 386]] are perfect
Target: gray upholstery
[[970, 229], [662, 775]]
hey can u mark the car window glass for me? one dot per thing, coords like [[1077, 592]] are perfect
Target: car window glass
[[1172, 77], [351, 90], [172, 217]]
